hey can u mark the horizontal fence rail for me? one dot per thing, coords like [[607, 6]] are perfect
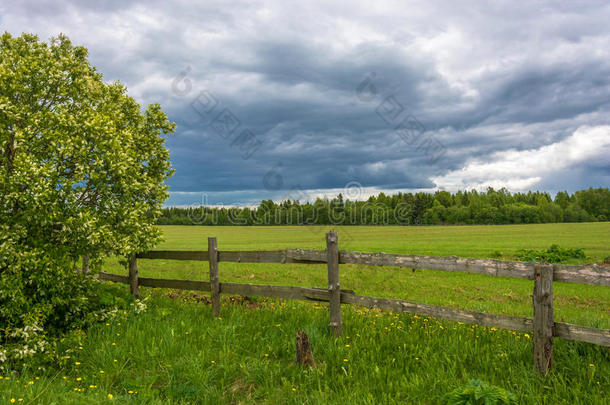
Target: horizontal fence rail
[[542, 325], [562, 330], [584, 274]]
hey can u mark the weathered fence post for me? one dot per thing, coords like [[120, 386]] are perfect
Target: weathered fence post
[[214, 279], [334, 289], [86, 263], [543, 318], [133, 276]]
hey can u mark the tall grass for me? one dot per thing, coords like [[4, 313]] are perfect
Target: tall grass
[[176, 352]]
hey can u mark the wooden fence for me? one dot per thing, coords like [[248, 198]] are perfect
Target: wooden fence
[[542, 325]]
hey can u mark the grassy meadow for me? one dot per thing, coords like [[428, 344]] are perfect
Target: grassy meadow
[[176, 352]]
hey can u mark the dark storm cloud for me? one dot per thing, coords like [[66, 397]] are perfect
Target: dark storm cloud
[[481, 80]]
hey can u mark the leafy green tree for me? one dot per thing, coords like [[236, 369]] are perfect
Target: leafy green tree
[[82, 170]]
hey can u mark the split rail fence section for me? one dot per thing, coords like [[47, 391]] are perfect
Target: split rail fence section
[[542, 325]]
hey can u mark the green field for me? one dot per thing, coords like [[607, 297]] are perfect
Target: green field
[[176, 352], [576, 303]]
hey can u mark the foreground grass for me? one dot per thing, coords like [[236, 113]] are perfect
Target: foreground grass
[[176, 352], [575, 303]]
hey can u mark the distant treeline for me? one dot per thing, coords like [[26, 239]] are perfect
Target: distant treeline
[[439, 208]]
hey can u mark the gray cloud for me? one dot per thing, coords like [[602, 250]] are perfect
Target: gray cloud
[[481, 79]]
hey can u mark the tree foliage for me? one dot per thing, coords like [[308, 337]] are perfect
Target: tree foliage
[[82, 170], [439, 208]]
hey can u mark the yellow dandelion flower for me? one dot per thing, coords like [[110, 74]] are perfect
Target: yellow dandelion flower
[[78, 379], [346, 345], [130, 392], [266, 354], [110, 396], [294, 389], [345, 360], [101, 371], [591, 365], [77, 363], [526, 336], [12, 400]]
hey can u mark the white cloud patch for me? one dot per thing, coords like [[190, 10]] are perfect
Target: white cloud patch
[[521, 170]]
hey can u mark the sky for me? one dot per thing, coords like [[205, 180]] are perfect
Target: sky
[[294, 100]]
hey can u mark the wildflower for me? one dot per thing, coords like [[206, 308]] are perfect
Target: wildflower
[[92, 386], [101, 371], [31, 382], [346, 345], [213, 362], [115, 360], [77, 363], [345, 360], [591, 365], [130, 392], [266, 354], [526, 336], [12, 400], [294, 389], [114, 344], [110, 396]]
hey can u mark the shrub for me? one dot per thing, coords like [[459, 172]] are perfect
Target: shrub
[[553, 254], [478, 392]]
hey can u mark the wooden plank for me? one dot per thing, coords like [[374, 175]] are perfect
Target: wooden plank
[[585, 274], [488, 267], [543, 318], [113, 277], [133, 277], [174, 255], [306, 256], [261, 256], [175, 284], [214, 279], [275, 291], [588, 274], [582, 334], [334, 289], [452, 314]]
